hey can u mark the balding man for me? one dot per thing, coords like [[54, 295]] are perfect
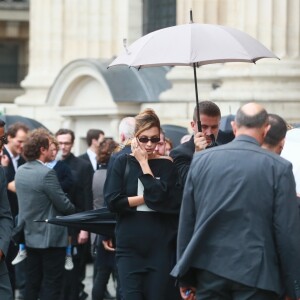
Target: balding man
[[239, 224]]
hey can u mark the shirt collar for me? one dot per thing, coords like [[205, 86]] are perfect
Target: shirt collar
[[10, 153]]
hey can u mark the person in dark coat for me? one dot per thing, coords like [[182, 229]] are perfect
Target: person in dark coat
[[93, 138], [275, 138], [81, 196], [11, 160], [239, 225], [141, 188], [104, 264], [210, 116], [6, 225]]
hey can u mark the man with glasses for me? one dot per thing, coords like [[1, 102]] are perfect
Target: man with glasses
[[6, 225], [81, 196]]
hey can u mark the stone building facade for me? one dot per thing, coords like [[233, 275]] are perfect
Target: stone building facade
[[71, 42]]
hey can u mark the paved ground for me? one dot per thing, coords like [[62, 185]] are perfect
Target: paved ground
[[89, 283]]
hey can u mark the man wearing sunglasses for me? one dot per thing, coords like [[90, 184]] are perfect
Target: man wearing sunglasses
[[6, 225], [210, 116]]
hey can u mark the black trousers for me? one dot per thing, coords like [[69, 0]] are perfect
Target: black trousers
[[44, 273], [5, 287], [72, 279], [214, 287]]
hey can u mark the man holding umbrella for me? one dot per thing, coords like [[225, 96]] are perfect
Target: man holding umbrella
[[210, 116], [238, 235]]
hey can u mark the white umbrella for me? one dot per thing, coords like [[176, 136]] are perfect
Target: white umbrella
[[192, 45]]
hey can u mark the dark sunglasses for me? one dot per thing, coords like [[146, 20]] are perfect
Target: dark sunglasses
[[3, 139], [145, 140]]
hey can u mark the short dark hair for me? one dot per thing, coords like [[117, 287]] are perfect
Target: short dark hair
[[14, 128], [251, 121], [93, 134], [2, 123], [66, 131], [207, 108], [277, 131], [32, 147]]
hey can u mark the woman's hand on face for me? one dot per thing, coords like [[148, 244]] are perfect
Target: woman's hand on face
[[139, 153]]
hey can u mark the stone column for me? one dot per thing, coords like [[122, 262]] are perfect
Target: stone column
[[275, 83], [276, 24], [45, 50], [63, 31]]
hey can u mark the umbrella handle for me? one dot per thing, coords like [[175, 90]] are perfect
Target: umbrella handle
[[197, 100]]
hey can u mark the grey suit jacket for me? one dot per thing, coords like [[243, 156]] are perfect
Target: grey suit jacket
[[239, 217], [40, 197], [6, 223]]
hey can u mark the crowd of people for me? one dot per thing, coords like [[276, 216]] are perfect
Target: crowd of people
[[197, 221]]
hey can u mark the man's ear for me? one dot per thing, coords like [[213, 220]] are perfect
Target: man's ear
[[234, 127], [122, 137], [266, 129], [194, 127]]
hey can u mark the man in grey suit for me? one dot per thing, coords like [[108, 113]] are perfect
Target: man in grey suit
[[239, 224], [40, 197], [6, 225]]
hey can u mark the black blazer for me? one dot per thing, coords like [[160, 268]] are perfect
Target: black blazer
[[81, 192], [6, 224], [86, 158], [182, 156], [10, 176]]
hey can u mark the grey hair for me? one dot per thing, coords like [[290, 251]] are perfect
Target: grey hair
[[127, 127]]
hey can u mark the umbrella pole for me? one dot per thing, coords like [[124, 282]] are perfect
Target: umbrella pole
[[197, 100]]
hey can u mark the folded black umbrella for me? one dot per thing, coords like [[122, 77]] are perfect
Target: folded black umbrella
[[100, 221]]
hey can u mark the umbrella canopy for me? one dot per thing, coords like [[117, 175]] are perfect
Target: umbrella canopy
[[189, 44], [192, 45], [31, 123], [100, 221]]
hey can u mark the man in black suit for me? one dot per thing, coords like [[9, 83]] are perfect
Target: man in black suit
[[210, 116], [81, 196], [12, 159], [239, 225], [93, 138], [6, 225]]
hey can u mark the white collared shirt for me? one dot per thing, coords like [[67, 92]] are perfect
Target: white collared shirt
[[93, 158], [14, 159]]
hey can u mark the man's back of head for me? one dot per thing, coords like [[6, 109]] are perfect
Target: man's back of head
[[274, 140], [126, 129], [251, 119], [37, 145]]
